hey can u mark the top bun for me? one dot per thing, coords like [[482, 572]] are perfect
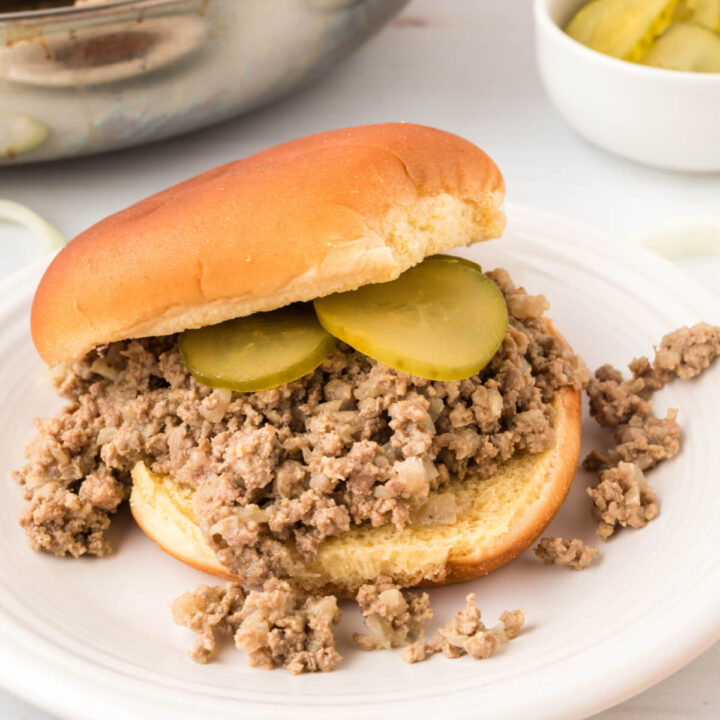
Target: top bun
[[318, 215]]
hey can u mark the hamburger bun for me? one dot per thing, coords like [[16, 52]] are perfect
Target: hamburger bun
[[315, 216], [504, 515], [308, 218]]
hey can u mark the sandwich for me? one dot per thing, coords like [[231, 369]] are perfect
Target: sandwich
[[289, 374]]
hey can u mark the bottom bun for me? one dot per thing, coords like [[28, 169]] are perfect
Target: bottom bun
[[503, 515]]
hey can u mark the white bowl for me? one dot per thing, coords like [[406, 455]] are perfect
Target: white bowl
[[658, 117]]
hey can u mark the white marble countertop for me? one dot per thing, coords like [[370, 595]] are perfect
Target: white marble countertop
[[463, 65]]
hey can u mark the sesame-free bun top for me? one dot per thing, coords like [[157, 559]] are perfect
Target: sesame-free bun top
[[318, 215]]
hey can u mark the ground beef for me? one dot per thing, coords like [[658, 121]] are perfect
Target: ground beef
[[613, 401], [209, 611], [644, 440], [465, 634], [61, 522], [684, 353], [623, 497], [573, 554], [417, 652], [393, 617], [279, 627], [275, 626], [352, 442], [647, 441]]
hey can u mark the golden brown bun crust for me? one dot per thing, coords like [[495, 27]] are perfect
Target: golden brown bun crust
[[321, 214], [539, 515], [557, 467], [548, 474]]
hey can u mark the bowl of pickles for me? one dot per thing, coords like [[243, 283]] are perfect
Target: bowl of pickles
[[640, 78]]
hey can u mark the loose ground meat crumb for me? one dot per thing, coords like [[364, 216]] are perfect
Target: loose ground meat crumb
[[646, 441], [417, 652], [207, 611], [275, 626], [643, 440], [279, 627], [684, 353], [573, 554], [352, 442], [393, 617], [465, 634], [614, 401], [623, 497], [63, 522]]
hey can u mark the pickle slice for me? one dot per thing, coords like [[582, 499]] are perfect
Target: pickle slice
[[443, 319], [687, 47], [705, 12], [257, 352], [624, 29]]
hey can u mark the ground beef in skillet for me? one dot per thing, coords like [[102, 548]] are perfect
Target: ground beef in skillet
[[352, 442]]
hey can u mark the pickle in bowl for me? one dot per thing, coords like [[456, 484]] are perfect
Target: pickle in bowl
[[623, 29], [686, 47], [667, 34]]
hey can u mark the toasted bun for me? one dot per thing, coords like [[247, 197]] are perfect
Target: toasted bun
[[504, 515], [314, 216]]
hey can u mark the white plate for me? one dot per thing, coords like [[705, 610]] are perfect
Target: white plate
[[94, 638]]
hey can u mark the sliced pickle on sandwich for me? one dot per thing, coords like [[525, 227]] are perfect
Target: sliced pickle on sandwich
[[686, 47], [257, 352], [443, 319]]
